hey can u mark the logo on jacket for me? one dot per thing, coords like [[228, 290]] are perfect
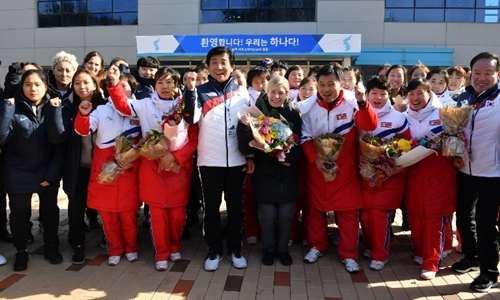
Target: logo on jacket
[[490, 103], [134, 122], [386, 124], [212, 94], [342, 116], [434, 122], [23, 118]]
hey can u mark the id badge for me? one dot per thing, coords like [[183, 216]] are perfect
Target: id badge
[[231, 131]]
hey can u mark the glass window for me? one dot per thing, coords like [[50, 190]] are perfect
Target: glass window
[[214, 4], [74, 20], [429, 15], [461, 3], [49, 8], [487, 15], [74, 7], [124, 5], [488, 3], [399, 3], [459, 16], [125, 19], [398, 15], [429, 3], [49, 21], [300, 3], [100, 6], [301, 15], [242, 3], [272, 15], [100, 19], [271, 3]]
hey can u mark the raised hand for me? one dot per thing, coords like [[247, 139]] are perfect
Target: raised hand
[[359, 92], [85, 108], [191, 80], [114, 75], [55, 101], [11, 101]]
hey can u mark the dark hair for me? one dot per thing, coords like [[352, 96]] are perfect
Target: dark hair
[[291, 69], [308, 80], [313, 70], [378, 83], [34, 64], [25, 75], [405, 76], [96, 97], [132, 82], [115, 60], [148, 62], [419, 66], [416, 83], [221, 50], [486, 55], [201, 68], [190, 70], [164, 71], [329, 70], [357, 73], [440, 72], [383, 67], [100, 75], [279, 64], [466, 69], [257, 71], [456, 69]]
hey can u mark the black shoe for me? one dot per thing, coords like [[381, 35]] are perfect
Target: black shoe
[[268, 258], [285, 259], [186, 235], [465, 265], [145, 224], [79, 255], [405, 226], [483, 283], [93, 224], [53, 255], [31, 238], [104, 242], [21, 260], [40, 226], [392, 233]]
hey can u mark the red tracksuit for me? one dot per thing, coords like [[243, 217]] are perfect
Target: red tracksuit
[[343, 195]]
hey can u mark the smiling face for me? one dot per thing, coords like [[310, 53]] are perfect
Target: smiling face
[[239, 78], [456, 81], [329, 87], [94, 65], [63, 72], [308, 90], [294, 78], [418, 98], [220, 67], [34, 88], [277, 95], [484, 75], [165, 86], [396, 78], [437, 83], [378, 98], [259, 83], [349, 81], [84, 86], [418, 74], [147, 72]]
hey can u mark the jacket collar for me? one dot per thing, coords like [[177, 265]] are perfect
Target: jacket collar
[[425, 112], [484, 95], [335, 102], [384, 110]]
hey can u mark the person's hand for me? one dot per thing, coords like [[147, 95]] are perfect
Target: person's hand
[[245, 119], [458, 162], [11, 101], [166, 161], [114, 75], [461, 136], [320, 164], [363, 160], [85, 108], [250, 166], [124, 165], [45, 183], [191, 80], [55, 101], [359, 92]]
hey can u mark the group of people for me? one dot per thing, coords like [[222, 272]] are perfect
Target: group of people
[[66, 125]]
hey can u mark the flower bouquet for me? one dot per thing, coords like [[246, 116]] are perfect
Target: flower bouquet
[[328, 146], [154, 145], [454, 120], [271, 134], [373, 170], [406, 153], [126, 152], [175, 128]]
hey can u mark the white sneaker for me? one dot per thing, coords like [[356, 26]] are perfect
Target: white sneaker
[[175, 257], [290, 243], [427, 275], [447, 252], [252, 240], [418, 260], [212, 261], [239, 262], [367, 253], [132, 256], [377, 265], [3, 261], [312, 256], [113, 260], [161, 265], [351, 265]]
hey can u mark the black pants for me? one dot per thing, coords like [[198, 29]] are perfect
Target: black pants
[[76, 209], [214, 181], [20, 212], [3, 213], [194, 202], [478, 200], [276, 221]]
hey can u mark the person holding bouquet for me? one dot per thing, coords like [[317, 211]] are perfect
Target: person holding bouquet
[[275, 182], [116, 200], [380, 202], [339, 113], [163, 188], [429, 208]]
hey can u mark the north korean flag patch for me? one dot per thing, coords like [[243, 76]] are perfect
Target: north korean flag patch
[[434, 122], [386, 124], [342, 116], [134, 122]]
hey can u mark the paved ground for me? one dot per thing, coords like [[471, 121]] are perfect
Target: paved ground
[[186, 279]]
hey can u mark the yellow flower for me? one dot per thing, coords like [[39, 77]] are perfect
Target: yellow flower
[[274, 134], [404, 145], [260, 118]]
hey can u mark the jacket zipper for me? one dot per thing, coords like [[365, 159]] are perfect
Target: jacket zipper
[[226, 126]]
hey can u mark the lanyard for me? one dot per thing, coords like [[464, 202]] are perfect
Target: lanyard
[[227, 104]]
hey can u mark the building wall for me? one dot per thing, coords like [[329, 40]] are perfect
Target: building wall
[[21, 40]]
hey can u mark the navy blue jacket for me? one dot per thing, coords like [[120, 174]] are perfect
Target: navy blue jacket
[[145, 87], [29, 157]]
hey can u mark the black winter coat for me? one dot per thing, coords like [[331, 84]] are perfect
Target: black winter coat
[[29, 157], [274, 182], [145, 87]]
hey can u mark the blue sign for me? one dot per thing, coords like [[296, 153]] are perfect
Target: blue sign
[[316, 44]]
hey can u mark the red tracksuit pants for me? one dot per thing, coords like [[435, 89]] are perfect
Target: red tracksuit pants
[[166, 230], [348, 222], [428, 235], [376, 225], [120, 229], [448, 234], [250, 223]]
